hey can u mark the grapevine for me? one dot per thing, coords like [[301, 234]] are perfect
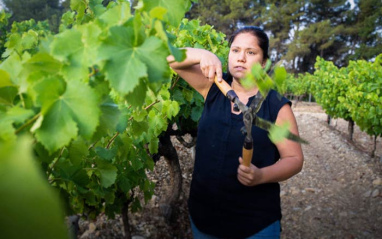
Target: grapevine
[[95, 98], [352, 93]]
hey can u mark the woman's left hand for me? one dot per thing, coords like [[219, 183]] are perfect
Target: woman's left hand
[[249, 176]]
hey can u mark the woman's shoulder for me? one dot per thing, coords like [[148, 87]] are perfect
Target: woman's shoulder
[[275, 101]]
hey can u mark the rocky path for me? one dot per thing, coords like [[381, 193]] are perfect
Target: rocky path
[[338, 194]]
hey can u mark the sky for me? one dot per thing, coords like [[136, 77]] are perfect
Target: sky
[[351, 3]]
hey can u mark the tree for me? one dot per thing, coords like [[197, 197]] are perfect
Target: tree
[[301, 30], [279, 19], [318, 10], [365, 34], [38, 10], [318, 39], [3, 30], [226, 15], [320, 33]]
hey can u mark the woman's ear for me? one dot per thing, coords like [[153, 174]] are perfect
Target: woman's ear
[[264, 63]]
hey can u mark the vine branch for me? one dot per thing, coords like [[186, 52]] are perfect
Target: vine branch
[[176, 81], [147, 107], [94, 71], [112, 140], [28, 123], [186, 144]]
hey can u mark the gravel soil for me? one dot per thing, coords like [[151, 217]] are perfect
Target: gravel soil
[[336, 195]]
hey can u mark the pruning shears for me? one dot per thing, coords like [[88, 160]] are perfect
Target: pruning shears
[[249, 119]]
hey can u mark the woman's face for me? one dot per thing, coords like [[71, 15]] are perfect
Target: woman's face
[[244, 52]]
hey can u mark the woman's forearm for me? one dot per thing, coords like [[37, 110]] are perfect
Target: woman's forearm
[[193, 57], [282, 170], [199, 69]]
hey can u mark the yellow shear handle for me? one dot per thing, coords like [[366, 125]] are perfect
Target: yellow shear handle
[[247, 156], [247, 151], [223, 86]]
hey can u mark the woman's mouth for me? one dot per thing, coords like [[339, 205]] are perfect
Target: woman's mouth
[[240, 68]]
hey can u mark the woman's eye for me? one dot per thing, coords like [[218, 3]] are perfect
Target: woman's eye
[[235, 50], [251, 52]]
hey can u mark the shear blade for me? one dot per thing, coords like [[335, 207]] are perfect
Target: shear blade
[[243, 130]]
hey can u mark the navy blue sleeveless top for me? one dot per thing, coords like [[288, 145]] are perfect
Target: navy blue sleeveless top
[[219, 204]]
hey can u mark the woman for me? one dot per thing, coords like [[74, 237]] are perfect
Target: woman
[[227, 199]]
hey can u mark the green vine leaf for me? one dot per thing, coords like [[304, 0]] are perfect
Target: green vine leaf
[[13, 66], [159, 122], [18, 114], [7, 132], [117, 15], [137, 97], [69, 49], [43, 62], [106, 154], [96, 7], [173, 17], [5, 79], [279, 133], [90, 36], [170, 108], [126, 63], [79, 6], [68, 114], [110, 117], [78, 151], [158, 12], [138, 128], [8, 94], [108, 172], [280, 78], [30, 202], [124, 183], [153, 145], [72, 173]]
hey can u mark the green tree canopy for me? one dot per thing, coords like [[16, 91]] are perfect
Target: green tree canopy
[[38, 10], [365, 30], [301, 30], [226, 15]]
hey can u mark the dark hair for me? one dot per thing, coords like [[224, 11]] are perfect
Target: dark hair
[[258, 33]]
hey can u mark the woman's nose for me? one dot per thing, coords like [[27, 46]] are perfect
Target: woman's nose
[[241, 56]]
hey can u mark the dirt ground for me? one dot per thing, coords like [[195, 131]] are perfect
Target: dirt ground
[[337, 195]]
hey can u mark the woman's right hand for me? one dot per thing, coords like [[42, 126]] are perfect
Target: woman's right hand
[[211, 66]]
